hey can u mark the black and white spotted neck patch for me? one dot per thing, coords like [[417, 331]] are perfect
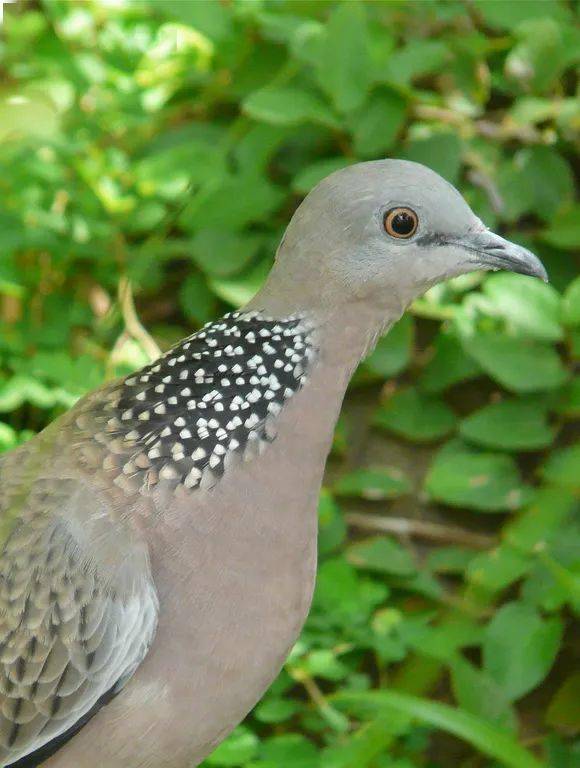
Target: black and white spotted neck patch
[[213, 397]]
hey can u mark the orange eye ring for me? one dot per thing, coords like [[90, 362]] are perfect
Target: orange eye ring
[[401, 223]]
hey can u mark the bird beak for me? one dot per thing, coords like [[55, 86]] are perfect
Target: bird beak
[[491, 252]]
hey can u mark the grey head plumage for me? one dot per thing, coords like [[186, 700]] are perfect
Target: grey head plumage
[[384, 231]]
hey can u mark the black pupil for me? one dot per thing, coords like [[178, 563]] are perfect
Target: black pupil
[[403, 223]]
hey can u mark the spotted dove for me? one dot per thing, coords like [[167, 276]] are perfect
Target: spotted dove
[[159, 540]]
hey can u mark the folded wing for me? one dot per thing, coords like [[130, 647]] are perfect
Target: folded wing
[[71, 632]]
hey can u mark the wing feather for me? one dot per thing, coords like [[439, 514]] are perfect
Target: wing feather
[[69, 634]]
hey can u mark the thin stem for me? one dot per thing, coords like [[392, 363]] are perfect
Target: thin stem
[[333, 717], [133, 325], [431, 311], [401, 526]]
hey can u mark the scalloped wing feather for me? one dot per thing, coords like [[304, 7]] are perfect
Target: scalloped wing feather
[[68, 632]]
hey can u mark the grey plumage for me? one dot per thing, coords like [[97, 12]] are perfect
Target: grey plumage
[[159, 540], [70, 629]]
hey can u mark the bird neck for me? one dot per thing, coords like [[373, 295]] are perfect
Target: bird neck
[[219, 394], [345, 332]]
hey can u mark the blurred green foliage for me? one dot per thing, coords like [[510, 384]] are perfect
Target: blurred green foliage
[[167, 142]]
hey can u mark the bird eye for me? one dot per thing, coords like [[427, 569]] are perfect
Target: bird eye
[[401, 223]]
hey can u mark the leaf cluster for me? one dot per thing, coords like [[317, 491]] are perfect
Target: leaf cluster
[[165, 144]]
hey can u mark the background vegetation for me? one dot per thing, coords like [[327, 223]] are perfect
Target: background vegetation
[[164, 145]]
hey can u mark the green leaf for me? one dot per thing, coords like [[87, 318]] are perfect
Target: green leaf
[[530, 306], [563, 711], [543, 591], [8, 437], [289, 106], [340, 441], [247, 199], [478, 693], [566, 580], [309, 176], [510, 425], [393, 351], [497, 569], [448, 365], [571, 304], [75, 375], [417, 417], [167, 171], [377, 126], [563, 467], [22, 389], [211, 19], [290, 750], [276, 710], [13, 239], [383, 555], [564, 229], [31, 114], [530, 109], [238, 290], [574, 342], [373, 484], [416, 58], [541, 520], [511, 16], [371, 741], [441, 152], [443, 641], [538, 180], [239, 747], [569, 402], [451, 559], [255, 150], [544, 50], [520, 647], [324, 663], [548, 178], [521, 365], [331, 525], [285, 27], [343, 68], [487, 738], [561, 754], [488, 482], [222, 253], [341, 593], [11, 282], [197, 300]]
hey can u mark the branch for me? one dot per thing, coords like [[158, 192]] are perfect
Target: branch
[[503, 131], [480, 179], [333, 717], [133, 325], [402, 526]]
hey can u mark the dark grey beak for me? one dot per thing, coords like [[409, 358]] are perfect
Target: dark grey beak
[[490, 251]]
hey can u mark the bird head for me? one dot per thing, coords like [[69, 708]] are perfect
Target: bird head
[[384, 232]]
